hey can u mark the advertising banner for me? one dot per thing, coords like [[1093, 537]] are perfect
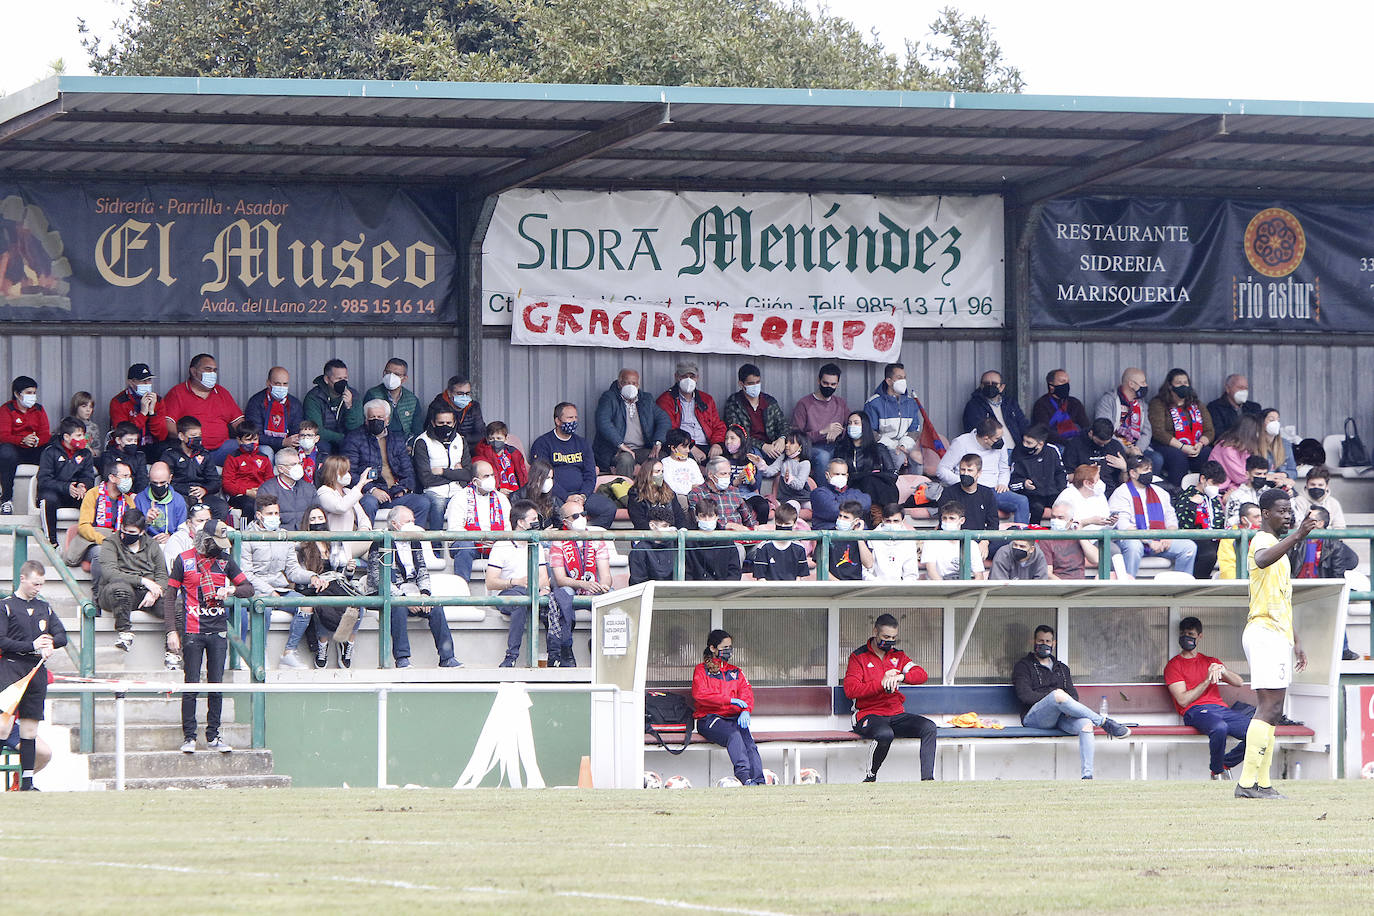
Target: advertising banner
[[229, 253], [1204, 265], [703, 329], [936, 260]]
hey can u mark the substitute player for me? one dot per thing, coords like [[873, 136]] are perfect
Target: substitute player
[[873, 680], [29, 632], [1270, 643]]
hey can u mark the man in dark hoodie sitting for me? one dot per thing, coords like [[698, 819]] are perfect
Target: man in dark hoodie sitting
[[1037, 472]]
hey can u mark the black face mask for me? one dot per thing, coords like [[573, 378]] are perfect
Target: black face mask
[[990, 391], [1183, 391], [159, 490], [1141, 392], [340, 386], [1187, 643], [885, 645], [1044, 650], [966, 480], [1259, 483], [999, 442], [827, 391], [128, 539], [1019, 553], [444, 434], [194, 443], [318, 526], [1146, 479], [376, 427], [1316, 493], [1032, 449], [1061, 391], [782, 527]]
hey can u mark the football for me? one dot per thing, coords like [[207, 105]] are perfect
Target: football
[[652, 780], [809, 776], [770, 778], [677, 782], [728, 782]]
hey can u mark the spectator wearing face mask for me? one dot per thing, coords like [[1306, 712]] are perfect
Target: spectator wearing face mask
[[1126, 412], [1139, 504], [756, 411], [384, 463], [539, 491], [508, 573], [711, 562], [1036, 471], [781, 561], [133, 574], [746, 466], [184, 537], [892, 561], [894, 413], [437, 456], [82, 407], [138, 403], [990, 400], [409, 578], [467, 410], [574, 470], [1323, 559], [264, 562], [203, 397], [1059, 412], [793, 468], [849, 559], [24, 431], [276, 412], [1064, 558], [1181, 426], [311, 455], [821, 415], [988, 442], [693, 411], [651, 491], [872, 468], [66, 470], [1275, 451], [1201, 507], [124, 444], [245, 470], [827, 498], [1233, 404], [1248, 516], [1019, 561], [293, 493], [194, 474], [1233, 448], [1256, 482], [578, 567], [406, 420], [335, 407], [979, 501], [163, 507], [477, 507], [732, 502], [630, 427], [680, 470], [102, 510], [505, 459], [651, 559], [941, 557], [1316, 494]]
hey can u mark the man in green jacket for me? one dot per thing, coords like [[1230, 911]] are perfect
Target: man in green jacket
[[406, 417], [132, 574], [334, 406]]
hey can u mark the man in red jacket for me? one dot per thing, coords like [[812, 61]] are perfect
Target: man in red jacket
[[873, 680]]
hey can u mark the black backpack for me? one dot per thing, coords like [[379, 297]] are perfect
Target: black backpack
[[1353, 452], [671, 715]]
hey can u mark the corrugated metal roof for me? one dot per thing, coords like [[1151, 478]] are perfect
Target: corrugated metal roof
[[599, 137]]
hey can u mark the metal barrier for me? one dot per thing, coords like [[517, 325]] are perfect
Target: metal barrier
[[120, 690]]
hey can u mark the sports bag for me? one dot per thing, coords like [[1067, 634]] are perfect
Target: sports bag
[[1353, 452], [671, 715]]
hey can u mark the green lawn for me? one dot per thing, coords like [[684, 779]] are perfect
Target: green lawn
[[976, 847]]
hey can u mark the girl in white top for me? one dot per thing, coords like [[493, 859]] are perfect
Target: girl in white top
[[680, 471], [339, 497], [1086, 496]]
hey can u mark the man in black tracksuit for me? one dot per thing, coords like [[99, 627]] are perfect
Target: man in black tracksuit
[[194, 474], [29, 632], [1037, 472]]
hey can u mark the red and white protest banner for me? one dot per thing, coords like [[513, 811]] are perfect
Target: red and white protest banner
[[876, 337]]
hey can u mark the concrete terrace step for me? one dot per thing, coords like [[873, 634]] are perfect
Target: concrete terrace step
[[199, 782], [174, 764], [137, 711], [157, 737]]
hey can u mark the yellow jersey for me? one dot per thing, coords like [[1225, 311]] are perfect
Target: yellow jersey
[[1271, 589]]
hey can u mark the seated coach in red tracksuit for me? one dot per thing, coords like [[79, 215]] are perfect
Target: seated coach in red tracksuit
[[723, 700], [873, 680]]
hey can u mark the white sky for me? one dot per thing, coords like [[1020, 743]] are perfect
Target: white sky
[[1313, 51]]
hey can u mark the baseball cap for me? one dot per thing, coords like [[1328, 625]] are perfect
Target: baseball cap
[[139, 372], [219, 531]]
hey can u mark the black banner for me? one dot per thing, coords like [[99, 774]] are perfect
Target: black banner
[[226, 253], [1214, 265]]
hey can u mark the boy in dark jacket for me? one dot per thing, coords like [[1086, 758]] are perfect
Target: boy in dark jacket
[[781, 561], [194, 474], [711, 562], [651, 560], [66, 471], [1037, 472]]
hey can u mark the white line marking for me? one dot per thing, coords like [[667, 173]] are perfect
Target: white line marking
[[672, 904], [187, 870]]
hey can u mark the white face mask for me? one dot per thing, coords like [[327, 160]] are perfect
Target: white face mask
[[308, 443], [629, 392], [753, 390], [1059, 524], [577, 524], [843, 524], [722, 480], [706, 524], [391, 381], [547, 486], [143, 388], [279, 392], [687, 385], [271, 522], [946, 525], [1211, 491], [27, 401], [346, 480], [839, 481], [1242, 396], [209, 379], [295, 472], [1272, 427], [899, 386], [486, 484], [855, 431]]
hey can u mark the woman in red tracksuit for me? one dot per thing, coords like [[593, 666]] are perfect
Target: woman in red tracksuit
[[723, 701]]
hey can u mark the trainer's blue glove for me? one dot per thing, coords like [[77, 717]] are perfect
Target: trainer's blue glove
[[743, 720], [740, 703]]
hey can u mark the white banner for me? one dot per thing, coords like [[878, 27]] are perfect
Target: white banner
[[936, 260], [700, 329]]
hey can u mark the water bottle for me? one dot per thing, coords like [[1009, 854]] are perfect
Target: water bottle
[[1102, 709]]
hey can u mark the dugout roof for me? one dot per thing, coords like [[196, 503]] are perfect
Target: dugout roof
[[480, 138]]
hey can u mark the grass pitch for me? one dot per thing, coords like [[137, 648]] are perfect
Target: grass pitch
[[978, 847]]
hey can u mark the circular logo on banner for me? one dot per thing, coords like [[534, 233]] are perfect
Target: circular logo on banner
[[1275, 242]]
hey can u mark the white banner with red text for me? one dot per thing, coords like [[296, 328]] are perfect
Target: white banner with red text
[[701, 329]]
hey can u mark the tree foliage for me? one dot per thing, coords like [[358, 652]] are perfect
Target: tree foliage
[[762, 43]]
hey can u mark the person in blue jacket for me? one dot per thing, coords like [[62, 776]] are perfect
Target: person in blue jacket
[[620, 445], [894, 413], [390, 482], [574, 471], [991, 400], [276, 412], [827, 498]]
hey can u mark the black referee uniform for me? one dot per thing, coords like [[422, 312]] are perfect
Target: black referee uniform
[[21, 622]]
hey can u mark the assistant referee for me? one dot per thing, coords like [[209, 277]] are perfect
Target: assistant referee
[[29, 632]]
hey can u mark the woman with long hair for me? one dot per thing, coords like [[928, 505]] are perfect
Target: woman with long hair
[[538, 489], [870, 465], [723, 701], [1233, 447], [650, 492], [321, 568], [1272, 447], [340, 495], [1181, 426]]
